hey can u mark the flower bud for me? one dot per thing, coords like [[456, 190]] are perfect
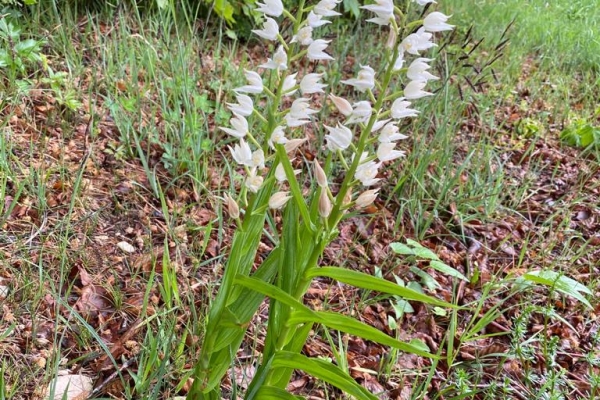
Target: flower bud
[[320, 175], [292, 144], [232, 207], [278, 200], [366, 198], [391, 40], [341, 104], [324, 204]]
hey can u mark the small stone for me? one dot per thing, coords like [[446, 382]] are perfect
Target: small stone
[[3, 292], [70, 387], [126, 247]]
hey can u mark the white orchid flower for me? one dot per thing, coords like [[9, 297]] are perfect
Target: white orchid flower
[[400, 109], [278, 62], [274, 8], [386, 152], [417, 70], [339, 138], [255, 83], [366, 173], [241, 153], [365, 79], [414, 90], [240, 127], [310, 84], [316, 51], [245, 106], [436, 22], [270, 30]]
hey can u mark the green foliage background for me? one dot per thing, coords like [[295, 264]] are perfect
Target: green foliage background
[[234, 12]]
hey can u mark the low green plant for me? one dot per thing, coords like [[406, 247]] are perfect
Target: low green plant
[[309, 222], [18, 56]]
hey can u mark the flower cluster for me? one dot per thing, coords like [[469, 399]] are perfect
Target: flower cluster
[[376, 118]]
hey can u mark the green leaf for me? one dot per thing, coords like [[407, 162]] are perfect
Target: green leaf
[[350, 325], [324, 371], [353, 7], [364, 281], [421, 251], [275, 393], [561, 283], [446, 269], [427, 279], [273, 292], [581, 136]]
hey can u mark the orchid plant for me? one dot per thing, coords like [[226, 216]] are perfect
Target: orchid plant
[[266, 140]]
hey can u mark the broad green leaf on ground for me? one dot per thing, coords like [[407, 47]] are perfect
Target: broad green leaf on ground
[[561, 283]]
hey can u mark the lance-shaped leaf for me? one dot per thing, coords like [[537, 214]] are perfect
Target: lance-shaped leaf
[[364, 281], [350, 325], [273, 292], [324, 371], [275, 393]]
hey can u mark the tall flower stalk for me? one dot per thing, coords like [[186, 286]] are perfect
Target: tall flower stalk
[[361, 143]]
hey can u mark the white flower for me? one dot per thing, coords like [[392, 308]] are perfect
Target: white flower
[[341, 104], [292, 144], [258, 159], [277, 137], [400, 109], [386, 152], [242, 153], [418, 41], [310, 84], [279, 60], [361, 113], [300, 108], [417, 71], [366, 198], [304, 36], [379, 124], [240, 127], [245, 106], [414, 90], [253, 181], [280, 173], [325, 206], [300, 112], [366, 173], [339, 138], [315, 21], [436, 22], [365, 79], [390, 133], [424, 2], [384, 10], [270, 30], [255, 85], [325, 8], [278, 200], [288, 85], [315, 50], [273, 8], [399, 63]]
